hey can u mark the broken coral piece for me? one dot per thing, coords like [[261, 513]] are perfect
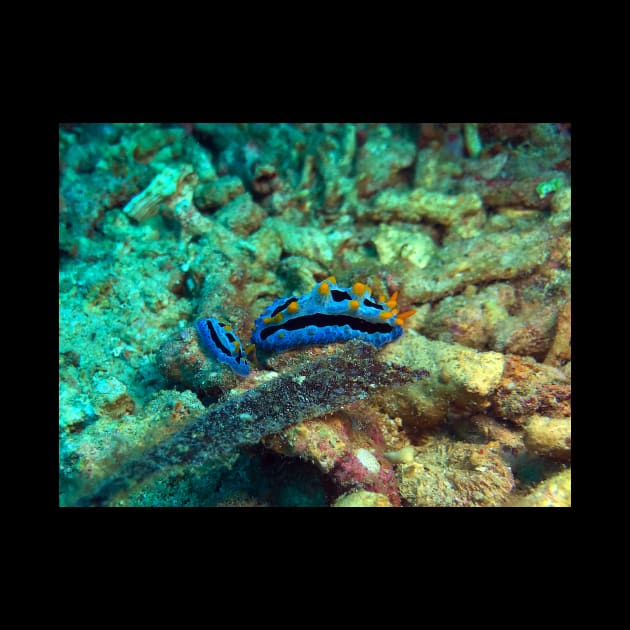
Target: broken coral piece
[[454, 474], [362, 498], [168, 183], [549, 437], [552, 492]]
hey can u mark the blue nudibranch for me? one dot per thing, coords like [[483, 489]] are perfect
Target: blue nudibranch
[[328, 314], [221, 341]]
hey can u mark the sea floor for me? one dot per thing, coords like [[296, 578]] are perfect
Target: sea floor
[[443, 250]]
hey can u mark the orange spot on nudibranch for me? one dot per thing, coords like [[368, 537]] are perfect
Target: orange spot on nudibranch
[[323, 288], [249, 348], [294, 307], [386, 315], [332, 279], [391, 304], [407, 314], [353, 305], [359, 288], [393, 297], [276, 319], [227, 328]]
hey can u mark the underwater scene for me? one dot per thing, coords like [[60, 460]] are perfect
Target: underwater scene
[[315, 315]]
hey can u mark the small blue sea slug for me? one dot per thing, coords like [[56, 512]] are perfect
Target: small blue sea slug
[[328, 314], [221, 342]]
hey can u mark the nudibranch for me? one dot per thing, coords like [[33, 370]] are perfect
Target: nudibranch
[[222, 342], [328, 314]]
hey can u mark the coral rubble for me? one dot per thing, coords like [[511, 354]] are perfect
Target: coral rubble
[[312, 389], [162, 225]]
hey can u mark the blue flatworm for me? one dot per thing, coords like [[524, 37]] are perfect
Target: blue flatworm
[[221, 341], [328, 314]]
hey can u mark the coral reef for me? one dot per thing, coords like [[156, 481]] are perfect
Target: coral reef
[[162, 225]]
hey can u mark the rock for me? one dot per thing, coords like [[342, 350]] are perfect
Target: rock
[[549, 437], [214, 194], [241, 215], [454, 474], [110, 398], [394, 243], [382, 161], [553, 492], [362, 498]]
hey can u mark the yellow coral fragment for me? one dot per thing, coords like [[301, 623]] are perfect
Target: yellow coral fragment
[[403, 456], [294, 307], [353, 305]]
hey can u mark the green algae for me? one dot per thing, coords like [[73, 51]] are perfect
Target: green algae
[[544, 188]]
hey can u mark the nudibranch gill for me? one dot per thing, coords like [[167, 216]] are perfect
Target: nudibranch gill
[[329, 314], [222, 343]]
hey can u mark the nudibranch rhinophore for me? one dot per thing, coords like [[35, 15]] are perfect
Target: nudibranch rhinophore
[[329, 314], [224, 345]]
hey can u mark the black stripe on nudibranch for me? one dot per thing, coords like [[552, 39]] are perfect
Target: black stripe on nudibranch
[[230, 337], [280, 308], [372, 304], [321, 320], [339, 296], [217, 341]]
